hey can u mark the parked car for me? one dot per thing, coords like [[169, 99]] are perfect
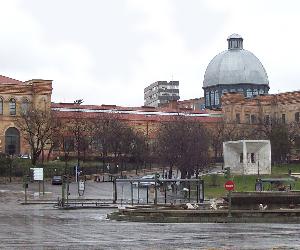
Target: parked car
[[150, 181], [56, 180], [25, 156]]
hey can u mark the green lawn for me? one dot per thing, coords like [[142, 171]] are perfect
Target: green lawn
[[214, 184]]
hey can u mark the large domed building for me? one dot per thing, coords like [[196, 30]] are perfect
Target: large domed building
[[234, 70]]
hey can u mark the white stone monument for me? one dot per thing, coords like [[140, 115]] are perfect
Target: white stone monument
[[248, 157]]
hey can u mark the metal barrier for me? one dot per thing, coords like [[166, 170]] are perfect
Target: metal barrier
[[172, 191]]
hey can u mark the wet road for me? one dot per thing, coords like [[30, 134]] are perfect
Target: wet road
[[43, 227]]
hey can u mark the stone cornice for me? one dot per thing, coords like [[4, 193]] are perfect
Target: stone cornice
[[41, 87]]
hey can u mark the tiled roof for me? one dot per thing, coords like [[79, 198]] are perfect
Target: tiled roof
[[68, 111], [124, 109], [284, 98], [5, 80]]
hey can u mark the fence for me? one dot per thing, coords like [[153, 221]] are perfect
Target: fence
[[158, 191]]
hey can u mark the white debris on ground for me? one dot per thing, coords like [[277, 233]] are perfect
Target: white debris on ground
[[261, 207], [216, 204], [191, 206]]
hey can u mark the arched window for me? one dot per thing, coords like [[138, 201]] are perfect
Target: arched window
[[24, 106], [1, 106], [12, 141], [12, 107]]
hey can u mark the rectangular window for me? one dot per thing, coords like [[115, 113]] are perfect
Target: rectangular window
[[283, 118], [1, 106], [12, 108], [241, 157], [253, 119], [249, 93], [247, 118], [217, 99], [237, 118], [207, 99], [68, 144], [252, 158], [212, 98], [297, 117], [267, 119]]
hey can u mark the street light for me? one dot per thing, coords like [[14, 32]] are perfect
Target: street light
[[11, 152]]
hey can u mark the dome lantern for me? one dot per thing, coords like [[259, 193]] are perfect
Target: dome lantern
[[235, 41]]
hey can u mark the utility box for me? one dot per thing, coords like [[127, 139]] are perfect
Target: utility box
[[248, 157]]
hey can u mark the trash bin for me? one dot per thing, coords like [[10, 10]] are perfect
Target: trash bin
[[258, 186]]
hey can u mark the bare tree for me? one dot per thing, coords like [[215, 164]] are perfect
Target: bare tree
[[79, 130], [38, 127], [184, 143], [138, 149]]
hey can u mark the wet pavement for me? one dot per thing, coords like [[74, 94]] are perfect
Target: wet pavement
[[44, 227]]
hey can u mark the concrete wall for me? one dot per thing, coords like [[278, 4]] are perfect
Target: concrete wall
[[248, 157]]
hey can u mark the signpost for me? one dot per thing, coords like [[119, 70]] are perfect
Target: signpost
[[38, 175], [81, 187], [229, 185]]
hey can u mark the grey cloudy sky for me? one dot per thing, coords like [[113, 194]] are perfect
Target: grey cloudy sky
[[108, 51]]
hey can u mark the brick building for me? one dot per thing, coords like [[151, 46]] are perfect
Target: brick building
[[284, 107], [15, 97], [144, 119]]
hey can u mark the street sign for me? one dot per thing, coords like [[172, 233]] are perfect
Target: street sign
[[229, 185], [38, 174], [81, 185]]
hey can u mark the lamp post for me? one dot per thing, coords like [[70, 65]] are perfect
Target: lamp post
[[258, 165], [11, 152]]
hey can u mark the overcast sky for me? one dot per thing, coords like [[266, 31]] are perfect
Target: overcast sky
[[108, 51]]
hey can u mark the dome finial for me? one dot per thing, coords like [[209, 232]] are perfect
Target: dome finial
[[235, 41]]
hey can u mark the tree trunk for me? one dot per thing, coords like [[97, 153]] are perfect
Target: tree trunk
[[171, 172]]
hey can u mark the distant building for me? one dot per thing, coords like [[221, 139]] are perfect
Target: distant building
[[16, 97], [235, 70], [160, 93], [196, 104], [248, 157], [284, 107]]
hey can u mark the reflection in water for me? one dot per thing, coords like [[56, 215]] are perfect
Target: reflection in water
[[41, 226]]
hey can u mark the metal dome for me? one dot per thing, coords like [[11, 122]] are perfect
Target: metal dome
[[235, 66]]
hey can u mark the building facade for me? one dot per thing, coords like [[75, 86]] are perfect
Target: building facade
[[16, 97], [160, 93], [248, 157], [196, 104], [284, 107], [235, 70]]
